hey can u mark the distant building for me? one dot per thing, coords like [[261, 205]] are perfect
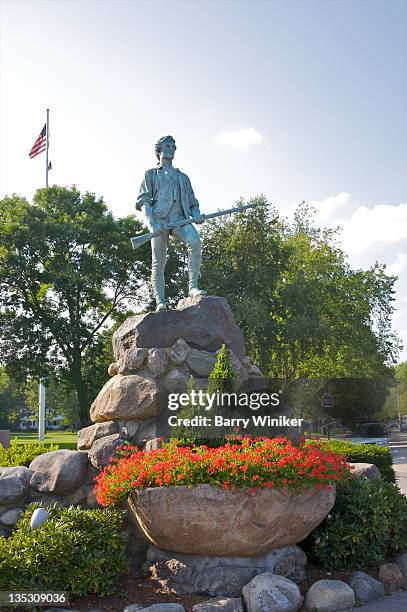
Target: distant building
[[29, 421]]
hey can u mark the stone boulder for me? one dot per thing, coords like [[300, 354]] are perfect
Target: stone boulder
[[366, 470], [270, 592], [104, 449], [329, 596], [10, 517], [204, 322], [365, 587], [88, 435], [176, 380], [221, 576], [14, 484], [201, 362], [59, 472], [179, 351], [126, 397], [220, 604], [206, 520], [392, 578], [401, 563], [132, 360]]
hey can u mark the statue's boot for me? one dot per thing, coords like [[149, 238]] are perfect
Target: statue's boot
[[195, 291]]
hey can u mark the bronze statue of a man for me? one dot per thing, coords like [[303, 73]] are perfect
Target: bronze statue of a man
[[166, 195]]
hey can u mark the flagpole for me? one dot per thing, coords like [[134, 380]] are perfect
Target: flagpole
[[46, 151], [42, 390]]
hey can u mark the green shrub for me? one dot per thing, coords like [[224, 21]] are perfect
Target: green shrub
[[365, 453], [23, 454], [80, 551], [367, 523]]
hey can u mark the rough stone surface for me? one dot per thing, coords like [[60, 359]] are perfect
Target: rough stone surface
[[206, 520], [102, 450], [201, 362], [126, 397], [88, 435], [154, 444], [203, 322], [14, 484], [147, 431], [60, 472], [365, 587], [132, 360], [220, 604], [224, 576], [329, 596], [270, 592], [130, 428], [179, 351], [392, 578], [366, 470], [10, 517], [176, 381], [157, 361], [113, 369], [401, 563]]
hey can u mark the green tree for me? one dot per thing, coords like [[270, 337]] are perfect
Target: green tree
[[302, 309], [66, 269], [11, 401]]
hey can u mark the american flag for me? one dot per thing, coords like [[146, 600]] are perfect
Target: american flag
[[40, 144]]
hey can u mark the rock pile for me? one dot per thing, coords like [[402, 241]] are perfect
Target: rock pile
[[156, 353]]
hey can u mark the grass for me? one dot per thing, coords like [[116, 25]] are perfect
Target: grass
[[64, 439]]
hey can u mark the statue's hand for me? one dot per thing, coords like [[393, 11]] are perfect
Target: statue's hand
[[199, 219]]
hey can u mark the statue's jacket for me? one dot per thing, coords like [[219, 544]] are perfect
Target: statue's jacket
[[158, 191]]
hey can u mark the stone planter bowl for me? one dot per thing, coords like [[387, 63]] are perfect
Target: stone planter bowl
[[206, 520]]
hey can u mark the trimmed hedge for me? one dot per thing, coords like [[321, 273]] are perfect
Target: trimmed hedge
[[380, 456], [76, 550], [367, 524], [23, 454]]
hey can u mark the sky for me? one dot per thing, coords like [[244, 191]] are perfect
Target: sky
[[297, 100]]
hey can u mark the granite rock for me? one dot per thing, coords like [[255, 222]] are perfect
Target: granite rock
[[14, 484], [157, 361], [392, 578], [270, 592], [221, 576], [103, 449], [204, 322], [60, 472], [126, 397], [366, 470], [365, 587], [329, 596], [220, 604], [88, 435], [132, 360], [179, 351]]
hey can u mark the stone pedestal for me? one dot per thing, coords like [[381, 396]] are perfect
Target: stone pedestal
[[156, 353], [215, 576]]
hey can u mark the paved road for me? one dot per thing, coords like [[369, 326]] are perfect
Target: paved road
[[397, 602], [398, 447]]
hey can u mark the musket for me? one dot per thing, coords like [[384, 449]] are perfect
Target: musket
[[138, 241]]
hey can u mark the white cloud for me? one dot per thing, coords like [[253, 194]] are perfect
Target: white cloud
[[240, 139], [333, 205], [367, 227]]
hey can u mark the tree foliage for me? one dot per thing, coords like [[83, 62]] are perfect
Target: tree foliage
[[302, 309], [66, 269]]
